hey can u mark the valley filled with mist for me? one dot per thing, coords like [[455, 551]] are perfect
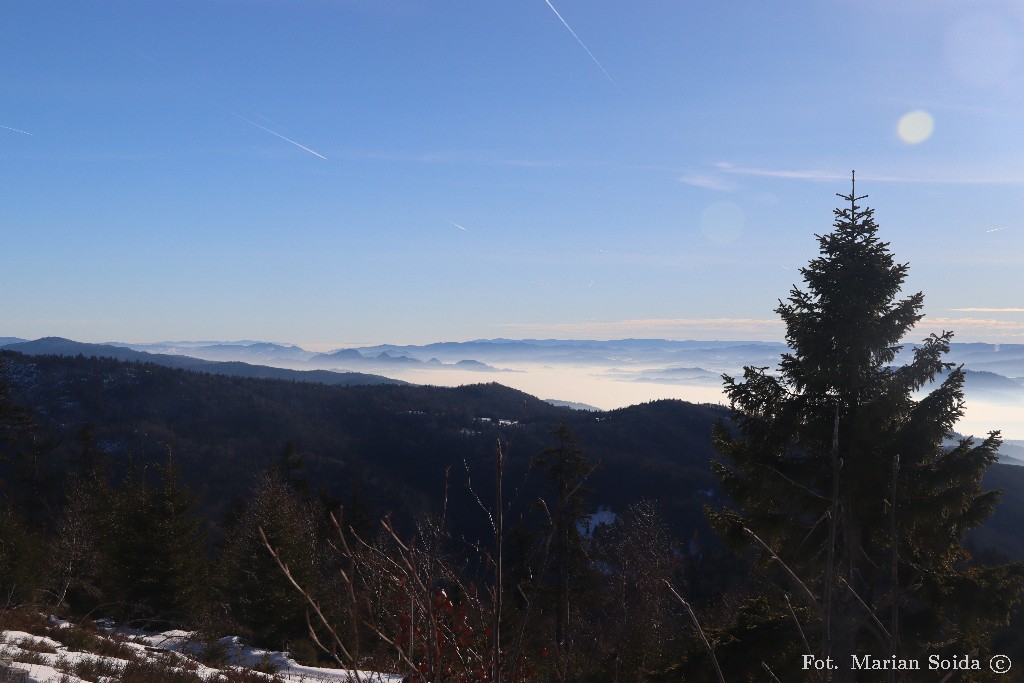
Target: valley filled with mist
[[588, 374]]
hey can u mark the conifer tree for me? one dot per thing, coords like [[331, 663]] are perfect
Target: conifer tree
[[841, 480], [27, 478], [181, 570], [567, 468], [155, 562], [14, 419], [259, 598], [22, 559], [290, 469], [21, 545]]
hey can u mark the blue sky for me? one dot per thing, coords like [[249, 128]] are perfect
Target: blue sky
[[363, 171]]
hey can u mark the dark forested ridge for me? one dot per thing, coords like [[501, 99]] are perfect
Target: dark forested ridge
[[391, 442]]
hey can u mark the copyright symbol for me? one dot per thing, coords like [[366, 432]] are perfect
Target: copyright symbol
[[1000, 664]]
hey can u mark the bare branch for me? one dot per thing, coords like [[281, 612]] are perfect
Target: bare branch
[[693, 617], [351, 666], [807, 591]]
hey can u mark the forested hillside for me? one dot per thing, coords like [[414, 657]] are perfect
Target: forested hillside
[[201, 462], [392, 443]]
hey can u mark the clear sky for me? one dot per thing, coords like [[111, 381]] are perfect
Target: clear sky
[[361, 171]]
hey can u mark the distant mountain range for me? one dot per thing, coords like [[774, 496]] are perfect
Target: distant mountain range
[[654, 359], [295, 357], [58, 346]]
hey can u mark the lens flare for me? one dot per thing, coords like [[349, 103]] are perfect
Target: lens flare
[[915, 127]]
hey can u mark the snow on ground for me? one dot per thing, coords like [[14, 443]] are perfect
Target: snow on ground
[[240, 654], [47, 660]]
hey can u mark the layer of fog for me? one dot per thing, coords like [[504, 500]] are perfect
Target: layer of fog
[[609, 389]]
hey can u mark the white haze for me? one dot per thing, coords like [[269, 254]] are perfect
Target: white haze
[[580, 384], [597, 386], [619, 373]]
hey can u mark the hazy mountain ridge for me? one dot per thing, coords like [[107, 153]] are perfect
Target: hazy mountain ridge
[[58, 346], [714, 356], [991, 382], [1002, 359], [295, 357], [584, 351]]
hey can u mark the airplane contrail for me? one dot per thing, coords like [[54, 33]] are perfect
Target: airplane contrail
[[457, 225], [582, 44], [23, 132], [300, 146], [995, 229]]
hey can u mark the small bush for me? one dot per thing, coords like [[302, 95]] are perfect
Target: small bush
[[27, 620], [265, 665], [80, 638], [305, 652], [33, 645], [95, 668], [28, 657], [157, 672], [214, 653], [114, 646], [248, 676]]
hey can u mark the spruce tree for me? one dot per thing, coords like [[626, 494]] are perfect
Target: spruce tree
[[567, 469], [250, 585], [23, 561], [840, 478], [181, 572], [154, 555], [15, 421], [22, 552]]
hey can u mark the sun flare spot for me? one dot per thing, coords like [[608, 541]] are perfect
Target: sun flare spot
[[915, 127]]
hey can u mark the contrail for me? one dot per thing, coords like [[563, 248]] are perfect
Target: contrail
[[23, 132], [995, 229], [253, 123], [566, 25], [457, 225]]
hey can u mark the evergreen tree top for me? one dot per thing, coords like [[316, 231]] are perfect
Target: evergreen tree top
[[848, 324]]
